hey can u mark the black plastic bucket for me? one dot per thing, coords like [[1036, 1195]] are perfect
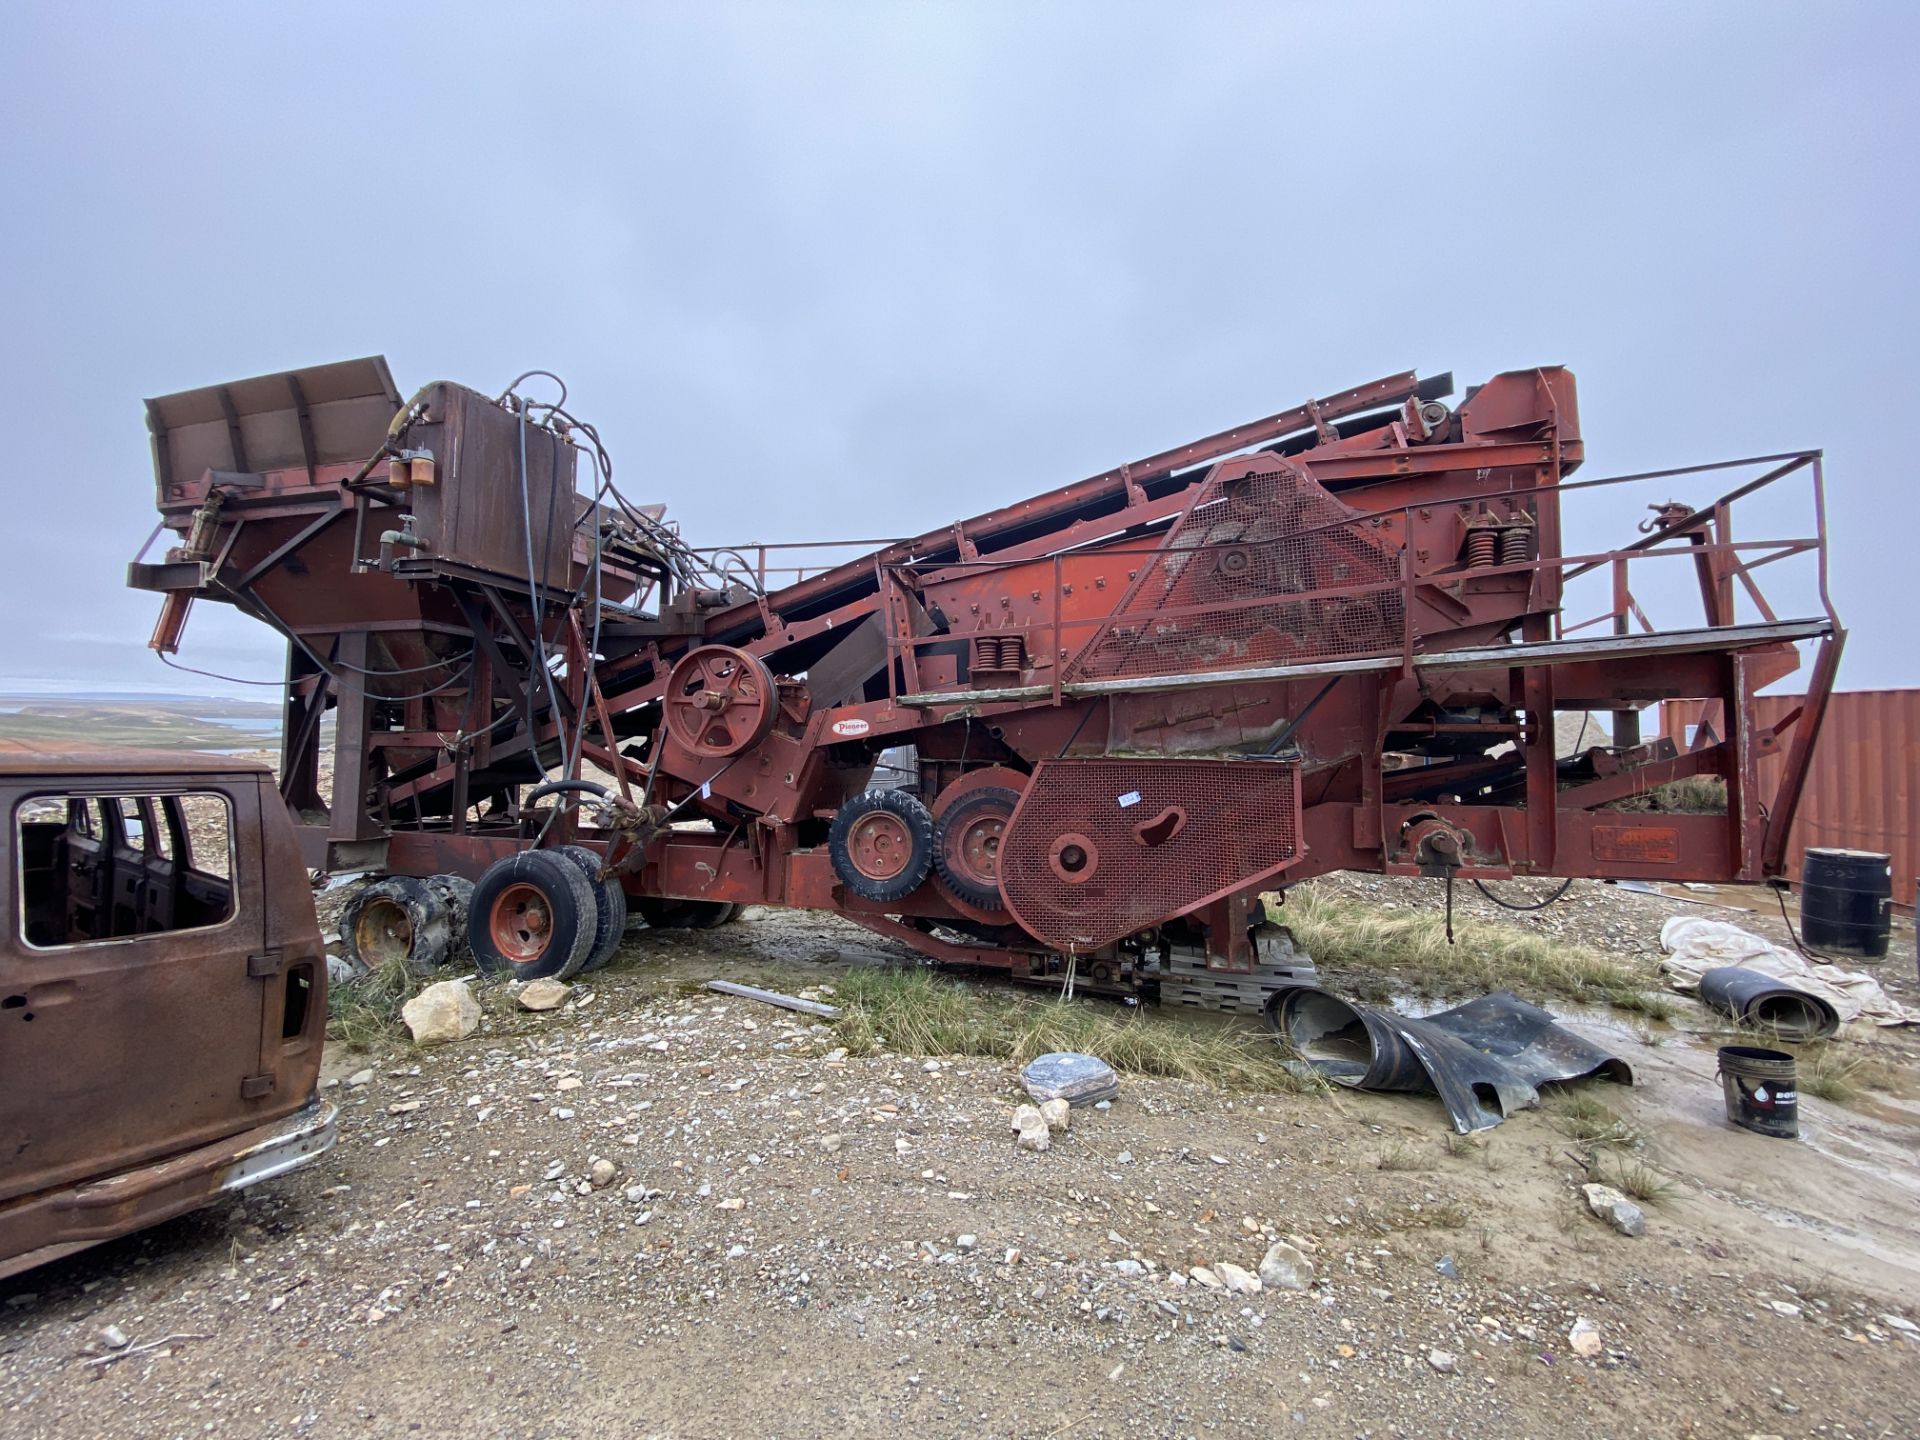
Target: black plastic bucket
[[1846, 902], [1761, 1089]]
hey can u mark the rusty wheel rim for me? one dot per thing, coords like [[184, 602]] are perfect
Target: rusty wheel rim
[[521, 923], [880, 845], [383, 932], [975, 851]]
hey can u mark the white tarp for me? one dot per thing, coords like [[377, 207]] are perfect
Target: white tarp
[[1695, 945]]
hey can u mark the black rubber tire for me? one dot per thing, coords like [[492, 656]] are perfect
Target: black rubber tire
[[402, 900], [963, 809], [569, 902], [919, 825], [661, 913], [456, 893], [609, 907]]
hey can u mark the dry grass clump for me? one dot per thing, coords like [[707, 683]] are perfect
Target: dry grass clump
[[366, 1012], [915, 1012], [1343, 934]]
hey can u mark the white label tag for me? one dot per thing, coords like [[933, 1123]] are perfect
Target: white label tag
[[706, 791], [1130, 799]]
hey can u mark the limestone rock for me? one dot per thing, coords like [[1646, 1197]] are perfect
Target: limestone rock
[[1285, 1268], [1584, 1337], [442, 1012], [544, 995], [1237, 1280], [1056, 1113], [1616, 1209]]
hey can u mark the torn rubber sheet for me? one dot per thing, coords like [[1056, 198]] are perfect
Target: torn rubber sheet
[[1695, 945], [1780, 1007], [1484, 1059]]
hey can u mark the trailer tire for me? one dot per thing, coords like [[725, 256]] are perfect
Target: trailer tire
[[609, 907], [881, 844], [396, 919], [661, 913], [456, 893], [966, 845], [532, 917]]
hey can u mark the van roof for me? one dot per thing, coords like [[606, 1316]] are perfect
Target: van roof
[[71, 757]]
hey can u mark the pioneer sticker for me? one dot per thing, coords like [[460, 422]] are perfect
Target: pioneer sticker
[[850, 728]]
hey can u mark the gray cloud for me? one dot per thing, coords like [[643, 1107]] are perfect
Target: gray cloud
[[860, 269]]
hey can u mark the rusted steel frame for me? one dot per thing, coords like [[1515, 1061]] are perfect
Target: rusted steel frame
[[1709, 760], [612, 760], [1624, 602], [1406, 593], [1216, 607], [1743, 778], [1799, 760], [1388, 391], [984, 956], [1057, 653], [1340, 467], [285, 548], [1543, 777], [600, 709]]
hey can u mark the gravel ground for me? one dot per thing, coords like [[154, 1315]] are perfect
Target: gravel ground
[[783, 1241]]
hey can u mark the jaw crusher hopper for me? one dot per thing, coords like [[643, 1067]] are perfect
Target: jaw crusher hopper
[[1332, 638]]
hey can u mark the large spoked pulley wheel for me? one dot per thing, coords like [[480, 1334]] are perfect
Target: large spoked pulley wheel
[[533, 916], [881, 844], [719, 701], [969, 818]]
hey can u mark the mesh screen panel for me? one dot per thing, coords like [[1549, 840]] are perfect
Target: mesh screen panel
[[1197, 828], [1214, 596]]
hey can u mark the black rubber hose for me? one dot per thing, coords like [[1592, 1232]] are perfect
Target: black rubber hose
[[554, 787], [1565, 885]]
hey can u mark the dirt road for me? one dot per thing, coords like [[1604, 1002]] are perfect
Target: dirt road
[[796, 1244]]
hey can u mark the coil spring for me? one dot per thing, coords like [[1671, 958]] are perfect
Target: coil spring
[[1480, 548], [1516, 545]]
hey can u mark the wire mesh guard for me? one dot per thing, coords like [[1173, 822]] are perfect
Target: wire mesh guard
[[1100, 849], [1214, 596]]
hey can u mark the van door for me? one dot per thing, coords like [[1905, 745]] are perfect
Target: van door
[[129, 1024]]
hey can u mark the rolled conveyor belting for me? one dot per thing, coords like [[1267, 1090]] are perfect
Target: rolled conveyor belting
[[1769, 1003], [1484, 1059]]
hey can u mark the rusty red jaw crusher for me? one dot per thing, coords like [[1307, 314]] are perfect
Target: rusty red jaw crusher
[[1332, 638]]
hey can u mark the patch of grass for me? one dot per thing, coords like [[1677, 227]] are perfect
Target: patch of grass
[[1433, 1215], [1397, 1154], [1629, 1177], [1841, 1073], [367, 1012], [915, 1012], [1585, 1121], [1343, 934]]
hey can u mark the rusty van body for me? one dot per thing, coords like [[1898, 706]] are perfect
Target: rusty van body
[[163, 993]]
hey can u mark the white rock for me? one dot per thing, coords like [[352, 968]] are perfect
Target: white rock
[[359, 1078], [968, 1242], [544, 995], [932, 1067], [113, 1337], [1057, 1114], [1024, 1115], [733, 1203], [1129, 1267], [600, 1174], [831, 1143], [1203, 1276], [1034, 1134], [1616, 1209], [443, 1011], [1445, 1361], [1285, 1268], [1237, 1280], [1584, 1337]]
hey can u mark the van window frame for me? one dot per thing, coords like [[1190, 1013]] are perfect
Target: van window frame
[[111, 833]]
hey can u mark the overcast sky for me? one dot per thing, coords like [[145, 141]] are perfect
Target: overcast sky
[[821, 271]]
